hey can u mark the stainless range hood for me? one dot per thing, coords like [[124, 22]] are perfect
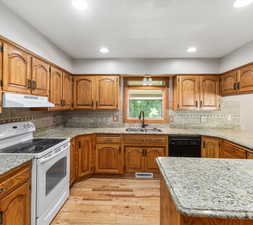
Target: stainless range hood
[[12, 100]]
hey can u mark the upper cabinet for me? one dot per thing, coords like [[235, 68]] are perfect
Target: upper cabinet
[[1, 76], [16, 70], [40, 77], [237, 82], [67, 90], [56, 87], [107, 92], [84, 92], [96, 92], [196, 92]]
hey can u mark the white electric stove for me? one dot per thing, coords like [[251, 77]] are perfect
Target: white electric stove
[[50, 171]]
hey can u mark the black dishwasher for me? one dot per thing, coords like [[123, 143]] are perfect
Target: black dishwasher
[[185, 146]]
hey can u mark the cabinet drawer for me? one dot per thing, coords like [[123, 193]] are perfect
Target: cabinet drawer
[[108, 139], [146, 140], [14, 181], [232, 151]]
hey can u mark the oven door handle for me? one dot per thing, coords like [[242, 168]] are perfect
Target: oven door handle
[[46, 159]]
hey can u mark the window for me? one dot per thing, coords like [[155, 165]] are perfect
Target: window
[[147, 95]]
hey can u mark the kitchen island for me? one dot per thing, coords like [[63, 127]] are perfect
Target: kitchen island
[[206, 191]]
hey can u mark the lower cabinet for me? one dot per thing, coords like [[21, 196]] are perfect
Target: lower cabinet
[[142, 159], [232, 151], [84, 147], [73, 160], [15, 197], [108, 159], [210, 147]]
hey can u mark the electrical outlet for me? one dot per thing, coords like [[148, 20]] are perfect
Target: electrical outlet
[[229, 117], [115, 118]]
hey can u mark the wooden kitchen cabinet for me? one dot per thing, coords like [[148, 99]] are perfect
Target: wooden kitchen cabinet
[[67, 91], [228, 83], [56, 88], [250, 154], [85, 148], [196, 92], [210, 147], [134, 159], [84, 92], [16, 70], [209, 92], [107, 92], [40, 77], [15, 199], [232, 151], [96, 92], [73, 161], [150, 158], [245, 79]]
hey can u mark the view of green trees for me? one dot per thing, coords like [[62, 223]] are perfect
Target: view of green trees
[[151, 108]]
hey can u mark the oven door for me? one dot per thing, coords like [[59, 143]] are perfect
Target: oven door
[[52, 182]]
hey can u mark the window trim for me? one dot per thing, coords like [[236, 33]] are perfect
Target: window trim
[[165, 101]]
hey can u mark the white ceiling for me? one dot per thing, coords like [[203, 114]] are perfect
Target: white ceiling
[[140, 28]]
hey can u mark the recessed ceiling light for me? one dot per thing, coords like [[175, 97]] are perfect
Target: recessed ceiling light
[[192, 49], [242, 3], [80, 4], [104, 50]]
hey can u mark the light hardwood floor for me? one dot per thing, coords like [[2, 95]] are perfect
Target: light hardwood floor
[[104, 201]]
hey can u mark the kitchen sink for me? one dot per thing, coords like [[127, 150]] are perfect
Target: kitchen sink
[[144, 130]]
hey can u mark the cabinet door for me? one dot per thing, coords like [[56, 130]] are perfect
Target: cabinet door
[[56, 87], [67, 90], [150, 158], [246, 79], [107, 92], [73, 161], [228, 83], [1, 77], [16, 70], [232, 151], [250, 155], [210, 147], [188, 87], [209, 92], [84, 91], [40, 77], [85, 149], [16, 206], [134, 159], [108, 159]]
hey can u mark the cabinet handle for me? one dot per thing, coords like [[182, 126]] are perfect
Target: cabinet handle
[[29, 83], [196, 103], [79, 144], [33, 85], [2, 190], [235, 86], [1, 217], [204, 144], [201, 103], [238, 86]]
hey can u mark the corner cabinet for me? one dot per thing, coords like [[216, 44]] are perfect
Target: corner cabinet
[[196, 92], [237, 81], [96, 92]]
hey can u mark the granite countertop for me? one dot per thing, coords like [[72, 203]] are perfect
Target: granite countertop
[[218, 188], [8, 162], [238, 136]]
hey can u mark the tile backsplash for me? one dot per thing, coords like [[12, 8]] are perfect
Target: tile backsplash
[[227, 117], [42, 119]]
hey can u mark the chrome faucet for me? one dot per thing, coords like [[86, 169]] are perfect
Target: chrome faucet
[[142, 116]]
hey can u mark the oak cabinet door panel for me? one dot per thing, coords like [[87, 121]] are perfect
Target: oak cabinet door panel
[[188, 92], [150, 158], [210, 147], [16, 70], [232, 151], [107, 92], [246, 79], [108, 159], [84, 91], [67, 90], [209, 92], [134, 159], [228, 83], [56, 87], [40, 77]]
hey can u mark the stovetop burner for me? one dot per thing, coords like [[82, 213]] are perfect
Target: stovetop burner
[[32, 146]]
